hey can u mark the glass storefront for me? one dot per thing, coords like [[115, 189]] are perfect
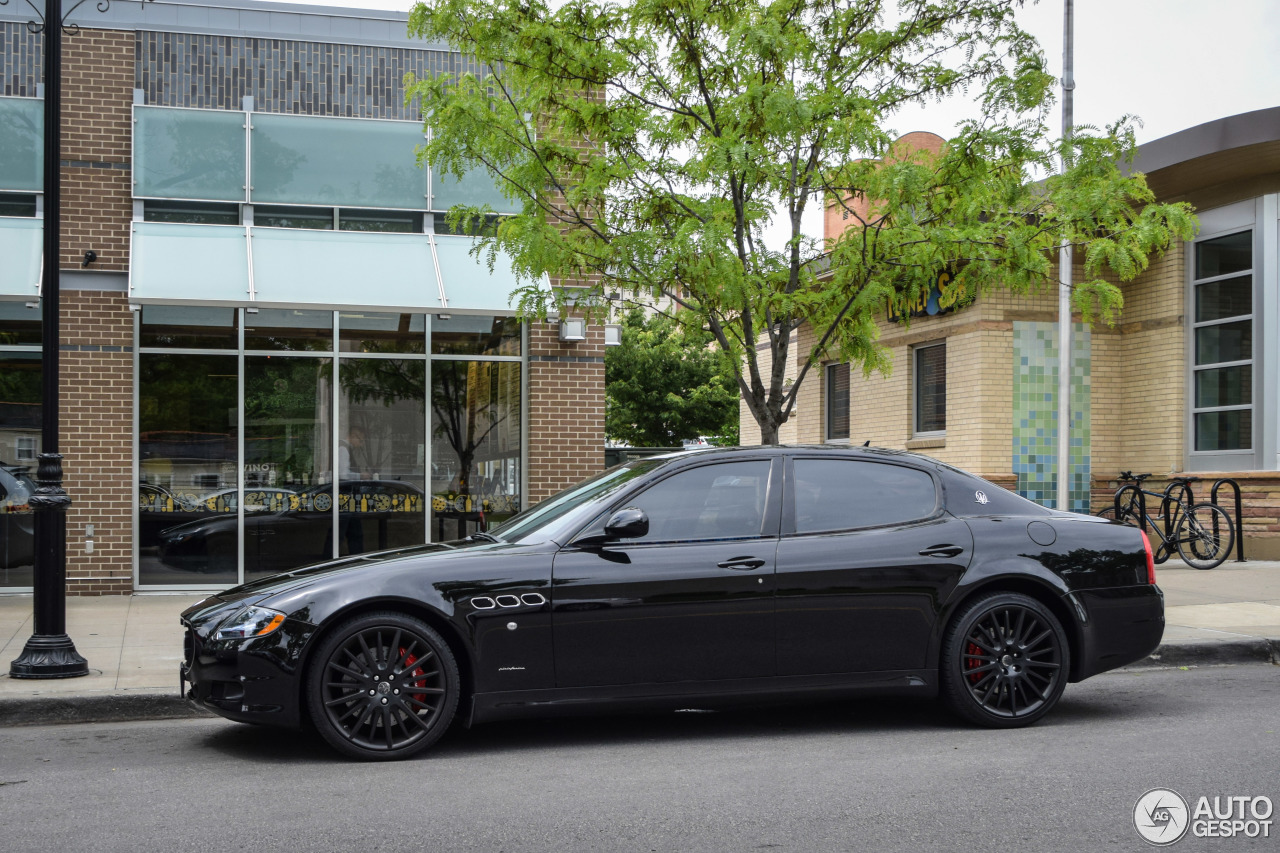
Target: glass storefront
[[339, 452], [20, 442]]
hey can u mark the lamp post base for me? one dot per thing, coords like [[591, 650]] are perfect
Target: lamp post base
[[49, 656]]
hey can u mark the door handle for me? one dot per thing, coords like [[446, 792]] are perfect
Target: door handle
[[941, 551], [742, 564]]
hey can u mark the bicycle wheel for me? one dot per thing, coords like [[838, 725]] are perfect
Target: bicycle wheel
[[1205, 536]]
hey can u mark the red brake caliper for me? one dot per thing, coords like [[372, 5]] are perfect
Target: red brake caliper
[[417, 673], [973, 662]]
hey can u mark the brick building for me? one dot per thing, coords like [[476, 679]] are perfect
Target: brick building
[[1188, 381], [273, 350]]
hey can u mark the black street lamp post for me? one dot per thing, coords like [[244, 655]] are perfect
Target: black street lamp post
[[50, 653]]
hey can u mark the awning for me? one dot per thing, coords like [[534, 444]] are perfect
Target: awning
[[210, 264], [21, 247]]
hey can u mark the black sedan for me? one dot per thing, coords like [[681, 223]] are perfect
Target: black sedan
[[692, 580]]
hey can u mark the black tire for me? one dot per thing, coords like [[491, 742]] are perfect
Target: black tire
[[1005, 661], [1205, 536], [382, 686]]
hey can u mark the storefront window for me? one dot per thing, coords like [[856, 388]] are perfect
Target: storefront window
[[475, 445], [19, 445], [465, 334], [381, 454], [187, 435], [335, 447]]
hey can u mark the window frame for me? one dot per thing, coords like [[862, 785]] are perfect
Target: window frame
[[828, 401], [789, 496], [916, 350], [1215, 225]]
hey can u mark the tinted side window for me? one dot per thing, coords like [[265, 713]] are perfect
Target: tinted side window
[[839, 494], [723, 501]]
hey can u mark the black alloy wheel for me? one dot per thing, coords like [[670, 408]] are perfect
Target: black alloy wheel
[[1004, 661], [382, 686]]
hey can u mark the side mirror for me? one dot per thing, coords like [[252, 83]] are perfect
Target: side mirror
[[628, 523]]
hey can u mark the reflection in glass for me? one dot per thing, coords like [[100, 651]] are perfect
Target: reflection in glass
[[190, 154], [378, 332], [191, 211], [309, 160], [475, 445], [467, 334], [1224, 386], [22, 141], [186, 460], [1224, 342], [316, 218], [19, 324], [1218, 300], [1222, 255], [381, 454], [287, 440], [1232, 430], [188, 327], [19, 446], [288, 329]]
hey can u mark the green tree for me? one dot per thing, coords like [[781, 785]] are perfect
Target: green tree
[[649, 144], [666, 383]]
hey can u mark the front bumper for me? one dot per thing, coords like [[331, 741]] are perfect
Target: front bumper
[[252, 681], [1118, 626]]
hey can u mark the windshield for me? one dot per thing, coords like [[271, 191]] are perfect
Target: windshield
[[560, 515]]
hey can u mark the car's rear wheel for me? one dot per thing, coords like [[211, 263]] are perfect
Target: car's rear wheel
[[1004, 661], [382, 686]]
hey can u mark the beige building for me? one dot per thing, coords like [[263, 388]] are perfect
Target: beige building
[[1186, 382]]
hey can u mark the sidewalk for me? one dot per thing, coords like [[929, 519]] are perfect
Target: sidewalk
[[1230, 614]]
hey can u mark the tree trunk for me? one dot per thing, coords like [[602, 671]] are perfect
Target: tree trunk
[[769, 434]]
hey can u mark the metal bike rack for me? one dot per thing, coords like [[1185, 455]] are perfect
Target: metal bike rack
[[1238, 521]]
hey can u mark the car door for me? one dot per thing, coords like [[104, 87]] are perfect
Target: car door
[[866, 556], [692, 600]]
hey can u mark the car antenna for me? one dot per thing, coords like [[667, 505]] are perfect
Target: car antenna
[[866, 443]]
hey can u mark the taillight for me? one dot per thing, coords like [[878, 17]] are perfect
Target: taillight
[[1151, 558]]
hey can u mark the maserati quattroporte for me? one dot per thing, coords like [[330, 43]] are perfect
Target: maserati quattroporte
[[696, 579]]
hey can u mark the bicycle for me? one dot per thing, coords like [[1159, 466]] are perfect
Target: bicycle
[[1202, 533]]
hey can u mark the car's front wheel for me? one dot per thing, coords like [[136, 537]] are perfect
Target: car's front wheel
[[1004, 661], [382, 686]]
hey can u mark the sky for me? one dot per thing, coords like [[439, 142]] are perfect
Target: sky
[[1172, 63]]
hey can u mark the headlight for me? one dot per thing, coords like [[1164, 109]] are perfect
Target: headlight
[[249, 622]]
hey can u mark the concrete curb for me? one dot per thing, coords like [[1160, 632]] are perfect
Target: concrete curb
[[104, 708], [1213, 653], [127, 707]]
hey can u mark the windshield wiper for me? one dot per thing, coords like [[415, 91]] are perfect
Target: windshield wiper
[[484, 537]]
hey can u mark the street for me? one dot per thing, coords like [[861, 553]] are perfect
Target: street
[[847, 776]]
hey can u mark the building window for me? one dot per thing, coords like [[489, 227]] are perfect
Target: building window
[[26, 448], [1222, 371], [931, 389], [192, 212], [837, 394]]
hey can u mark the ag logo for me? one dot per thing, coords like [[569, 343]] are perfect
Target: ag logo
[[981, 497], [1161, 817]]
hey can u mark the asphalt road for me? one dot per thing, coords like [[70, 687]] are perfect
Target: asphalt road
[[850, 776]]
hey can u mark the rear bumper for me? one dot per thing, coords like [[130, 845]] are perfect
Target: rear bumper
[[1118, 626]]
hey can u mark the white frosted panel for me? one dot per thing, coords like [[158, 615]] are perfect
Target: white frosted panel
[[21, 144], [468, 283], [336, 161], [188, 154], [176, 261], [21, 244], [344, 268], [476, 189]]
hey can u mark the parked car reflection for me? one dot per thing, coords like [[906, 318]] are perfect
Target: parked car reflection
[[17, 530], [283, 530], [160, 508]]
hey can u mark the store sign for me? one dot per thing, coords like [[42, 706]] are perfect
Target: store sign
[[940, 298]]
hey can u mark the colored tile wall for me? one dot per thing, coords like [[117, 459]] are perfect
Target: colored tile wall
[[1035, 413]]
